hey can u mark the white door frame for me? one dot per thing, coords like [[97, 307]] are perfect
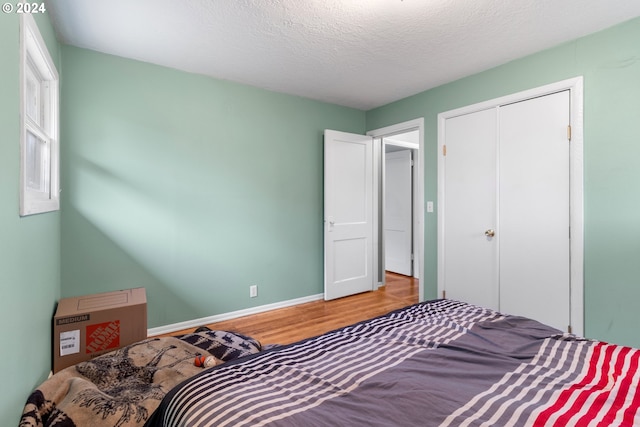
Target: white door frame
[[418, 209], [576, 166]]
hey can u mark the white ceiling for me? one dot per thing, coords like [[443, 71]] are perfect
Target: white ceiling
[[357, 53]]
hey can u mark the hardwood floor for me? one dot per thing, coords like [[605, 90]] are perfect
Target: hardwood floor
[[290, 324]]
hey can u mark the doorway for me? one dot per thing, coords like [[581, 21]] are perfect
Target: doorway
[[409, 136], [354, 208]]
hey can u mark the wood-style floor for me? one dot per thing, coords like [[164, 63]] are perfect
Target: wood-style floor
[[290, 324]]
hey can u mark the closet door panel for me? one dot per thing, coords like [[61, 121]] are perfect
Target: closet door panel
[[470, 257], [534, 209]]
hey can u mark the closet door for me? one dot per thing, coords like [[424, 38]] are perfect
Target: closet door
[[469, 256], [506, 209], [534, 209]]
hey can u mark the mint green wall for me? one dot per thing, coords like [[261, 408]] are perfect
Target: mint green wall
[[29, 247], [192, 187], [610, 64]]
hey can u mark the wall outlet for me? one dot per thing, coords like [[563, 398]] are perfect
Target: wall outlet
[[253, 291]]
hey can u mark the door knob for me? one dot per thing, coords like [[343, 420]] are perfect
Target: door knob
[[490, 233]]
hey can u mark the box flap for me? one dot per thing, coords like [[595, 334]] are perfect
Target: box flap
[[103, 301]]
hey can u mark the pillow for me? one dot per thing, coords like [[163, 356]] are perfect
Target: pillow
[[224, 345]]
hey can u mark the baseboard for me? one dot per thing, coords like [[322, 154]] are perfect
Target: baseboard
[[167, 329]]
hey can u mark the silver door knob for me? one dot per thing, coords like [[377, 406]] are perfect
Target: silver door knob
[[490, 233]]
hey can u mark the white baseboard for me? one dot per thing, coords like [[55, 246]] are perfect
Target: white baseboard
[[231, 315]]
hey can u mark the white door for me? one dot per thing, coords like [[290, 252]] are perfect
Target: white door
[[534, 209], [348, 214], [397, 213], [506, 209], [470, 257]]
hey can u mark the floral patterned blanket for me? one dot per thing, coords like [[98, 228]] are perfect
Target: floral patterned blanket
[[124, 387]]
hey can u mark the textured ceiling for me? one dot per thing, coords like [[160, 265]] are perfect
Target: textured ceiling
[[357, 53]]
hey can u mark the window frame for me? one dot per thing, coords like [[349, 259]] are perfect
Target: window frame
[[35, 60]]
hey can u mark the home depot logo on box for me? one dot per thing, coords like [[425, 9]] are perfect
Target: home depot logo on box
[[103, 336]]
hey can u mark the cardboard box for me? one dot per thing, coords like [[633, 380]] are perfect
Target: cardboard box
[[88, 326]]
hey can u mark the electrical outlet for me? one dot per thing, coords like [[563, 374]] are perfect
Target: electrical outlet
[[253, 291]]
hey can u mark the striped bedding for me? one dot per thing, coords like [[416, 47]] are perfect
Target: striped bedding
[[438, 363]]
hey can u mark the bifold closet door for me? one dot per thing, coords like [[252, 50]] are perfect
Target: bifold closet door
[[534, 209], [506, 209], [470, 256]]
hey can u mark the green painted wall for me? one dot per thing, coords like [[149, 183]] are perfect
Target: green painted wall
[[192, 187], [610, 63], [29, 247]]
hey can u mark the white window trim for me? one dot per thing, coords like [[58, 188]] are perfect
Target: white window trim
[[32, 46]]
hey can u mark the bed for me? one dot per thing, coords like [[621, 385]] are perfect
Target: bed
[[437, 363]]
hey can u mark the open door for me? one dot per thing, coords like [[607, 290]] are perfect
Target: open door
[[348, 214], [398, 219]]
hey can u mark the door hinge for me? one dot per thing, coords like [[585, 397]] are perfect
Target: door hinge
[[569, 132], [444, 150]]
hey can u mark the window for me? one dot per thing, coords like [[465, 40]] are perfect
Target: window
[[39, 123]]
